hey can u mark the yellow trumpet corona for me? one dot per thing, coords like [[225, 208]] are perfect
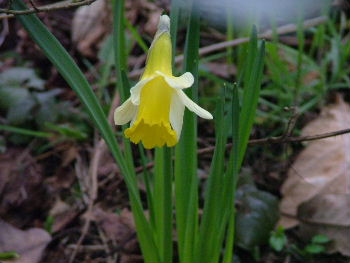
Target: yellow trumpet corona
[[157, 103]]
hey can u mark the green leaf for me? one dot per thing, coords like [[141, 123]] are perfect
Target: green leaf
[[49, 223], [253, 70], [232, 177], [8, 255], [48, 110], [20, 112], [257, 214], [135, 34], [67, 131], [186, 181], [21, 77], [123, 85], [2, 144], [75, 78], [211, 229], [314, 249], [278, 239], [163, 205], [25, 131], [320, 239], [107, 50], [10, 96]]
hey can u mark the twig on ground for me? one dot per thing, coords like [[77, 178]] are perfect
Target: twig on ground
[[283, 139], [98, 151], [33, 5], [88, 247], [269, 140], [292, 121], [285, 29], [287, 259], [93, 191], [45, 8], [268, 34], [111, 257]]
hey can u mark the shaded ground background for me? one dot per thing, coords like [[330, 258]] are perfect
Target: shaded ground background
[[45, 177]]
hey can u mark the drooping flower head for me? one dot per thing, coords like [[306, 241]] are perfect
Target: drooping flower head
[[157, 103]]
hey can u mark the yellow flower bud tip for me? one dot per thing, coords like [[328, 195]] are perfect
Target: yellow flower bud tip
[[164, 23], [157, 102]]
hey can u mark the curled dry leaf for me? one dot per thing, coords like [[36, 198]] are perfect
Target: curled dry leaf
[[21, 187], [29, 244], [63, 214], [321, 172], [119, 228], [89, 26], [327, 214], [152, 13], [221, 70]]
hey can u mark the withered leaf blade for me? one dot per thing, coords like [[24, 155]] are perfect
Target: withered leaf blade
[[89, 27], [323, 166], [329, 215], [29, 244], [316, 193]]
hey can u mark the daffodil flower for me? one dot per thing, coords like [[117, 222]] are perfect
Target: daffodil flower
[[157, 102]]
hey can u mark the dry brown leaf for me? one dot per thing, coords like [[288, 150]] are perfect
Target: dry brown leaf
[[63, 215], [153, 19], [323, 166], [152, 13], [90, 26], [29, 244], [21, 187], [321, 169], [221, 70], [327, 214], [118, 227]]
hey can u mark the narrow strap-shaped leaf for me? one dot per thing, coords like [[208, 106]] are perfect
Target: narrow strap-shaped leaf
[[251, 92], [212, 212], [186, 183], [163, 207], [147, 180], [25, 131], [232, 178], [123, 85], [174, 18], [76, 80]]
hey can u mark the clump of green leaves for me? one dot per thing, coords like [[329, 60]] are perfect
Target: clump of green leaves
[[257, 213], [8, 255], [49, 223], [280, 243], [19, 88], [317, 245], [26, 103], [278, 239]]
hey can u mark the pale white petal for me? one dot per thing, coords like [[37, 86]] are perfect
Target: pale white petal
[[177, 109], [184, 81], [193, 106], [125, 113], [163, 26], [136, 90], [134, 118], [164, 23]]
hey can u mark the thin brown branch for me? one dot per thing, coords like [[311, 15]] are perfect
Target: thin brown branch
[[285, 29], [270, 140], [283, 139], [301, 138], [268, 34], [292, 121], [45, 8]]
